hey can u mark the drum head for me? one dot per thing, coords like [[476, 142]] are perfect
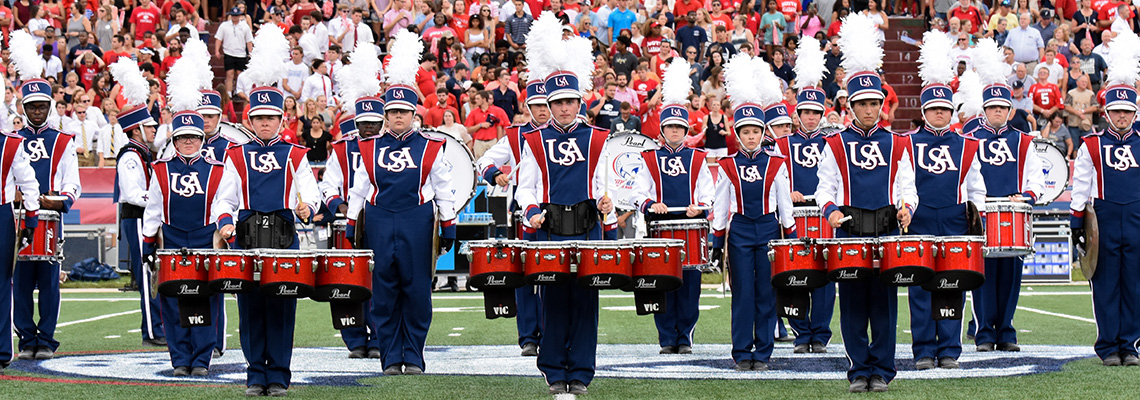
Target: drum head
[[1056, 169], [234, 133], [623, 155], [461, 165]]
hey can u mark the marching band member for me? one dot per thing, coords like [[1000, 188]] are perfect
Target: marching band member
[[1108, 179], [866, 172], [339, 176], [267, 186], [507, 152], [1011, 168], [403, 185], [18, 178], [752, 194], [132, 174], [803, 150], [180, 192], [675, 175], [52, 155], [562, 189], [946, 163]]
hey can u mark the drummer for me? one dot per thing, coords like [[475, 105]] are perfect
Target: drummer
[[21, 181], [752, 193], [562, 189], [666, 179], [400, 200], [266, 188], [213, 147], [52, 155], [871, 190], [804, 150], [184, 182], [942, 154], [1011, 169], [1109, 181]]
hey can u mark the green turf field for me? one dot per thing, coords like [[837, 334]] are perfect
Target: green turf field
[[1052, 315]]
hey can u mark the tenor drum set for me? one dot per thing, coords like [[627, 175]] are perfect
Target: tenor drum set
[[47, 238]]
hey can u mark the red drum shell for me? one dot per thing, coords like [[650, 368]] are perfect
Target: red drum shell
[[45, 238], [287, 273], [695, 233], [811, 223], [605, 264], [658, 265], [496, 264], [796, 265], [848, 259], [181, 273], [340, 235], [231, 271], [959, 265], [344, 276], [1009, 229], [547, 263], [906, 260]]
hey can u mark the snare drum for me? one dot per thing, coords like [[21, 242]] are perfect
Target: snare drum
[[811, 222], [496, 264], [605, 264], [1009, 229], [547, 263], [339, 237], [231, 271], [181, 273], [46, 245], [658, 264], [906, 260], [796, 265], [848, 259], [344, 275], [287, 273], [958, 265], [695, 233]]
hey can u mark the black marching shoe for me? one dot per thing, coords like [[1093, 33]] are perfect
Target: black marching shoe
[[156, 342], [818, 347], [759, 366], [948, 363], [255, 391], [786, 338], [181, 371], [859, 385], [530, 350], [394, 369], [374, 353], [558, 388], [410, 369], [878, 384], [577, 388], [984, 347], [684, 349], [668, 350], [199, 371], [801, 348], [44, 353], [744, 365], [1008, 347], [924, 363], [277, 390], [1130, 360], [359, 352], [27, 353], [1112, 360], [217, 354]]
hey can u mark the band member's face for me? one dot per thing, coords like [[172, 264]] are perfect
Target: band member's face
[[867, 111], [565, 110], [266, 127], [1121, 119], [148, 133], [540, 113], [399, 120], [781, 130], [937, 117], [674, 134], [750, 136], [997, 115], [37, 112], [210, 122], [188, 145], [809, 119], [368, 128]]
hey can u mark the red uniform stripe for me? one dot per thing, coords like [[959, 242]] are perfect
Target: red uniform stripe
[[836, 143], [160, 171], [427, 163]]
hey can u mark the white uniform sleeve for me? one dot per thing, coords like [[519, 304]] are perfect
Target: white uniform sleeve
[[154, 214], [67, 176], [228, 199], [132, 180], [827, 191], [976, 185], [24, 178], [1084, 181], [782, 190], [439, 180], [530, 182], [497, 156], [599, 187], [905, 191], [644, 188], [359, 193], [305, 188], [722, 206], [1033, 177], [705, 190], [332, 180]]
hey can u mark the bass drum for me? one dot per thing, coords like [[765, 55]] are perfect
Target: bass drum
[[462, 168], [235, 133], [1056, 169], [623, 158]]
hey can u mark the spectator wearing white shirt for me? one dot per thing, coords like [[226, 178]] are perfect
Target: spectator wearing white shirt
[[111, 139], [961, 50], [234, 41], [52, 64], [1056, 71], [317, 29], [295, 73], [1026, 42], [334, 63], [86, 132], [357, 32], [1105, 43], [179, 20], [38, 25], [1121, 22], [508, 9], [243, 86], [318, 84], [339, 25]]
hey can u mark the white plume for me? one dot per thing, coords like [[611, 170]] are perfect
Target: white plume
[[771, 92], [406, 52], [1124, 60], [987, 59], [538, 56], [134, 87], [361, 77], [182, 84], [810, 65], [575, 56], [196, 50], [25, 55], [935, 66], [741, 80], [675, 84], [969, 95], [862, 47], [267, 61]]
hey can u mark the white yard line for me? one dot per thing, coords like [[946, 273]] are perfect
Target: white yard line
[[101, 317], [1043, 312]]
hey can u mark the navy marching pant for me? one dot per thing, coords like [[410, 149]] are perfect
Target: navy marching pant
[[753, 297], [816, 328], [131, 231], [191, 347], [675, 326], [29, 276], [1116, 283], [569, 339], [266, 325], [528, 309], [7, 260], [930, 338], [996, 300], [863, 304], [401, 282], [364, 336]]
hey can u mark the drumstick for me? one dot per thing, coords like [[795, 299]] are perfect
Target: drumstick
[[845, 219], [680, 209]]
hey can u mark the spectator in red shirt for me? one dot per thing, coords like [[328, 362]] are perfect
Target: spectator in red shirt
[[682, 8], [434, 115], [144, 19], [186, 6], [719, 18], [1046, 96], [791, 10], [88, 67], [643, 84], [116, 51], [5, 22], [485, 123], [173, 53], [890, 105], [425, 77], [966, 12]]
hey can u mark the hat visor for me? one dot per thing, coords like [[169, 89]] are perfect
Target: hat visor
[[810, 106], [997, 102], [265, 111], [938, 104], [187, 131], [780, 121], [32, 98], [538, 101], [149, 122], [563, 94], [1120, 106], [748, 122], [209, 110], [675, 122], [866, 95], [397, 106], [369, 118]]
